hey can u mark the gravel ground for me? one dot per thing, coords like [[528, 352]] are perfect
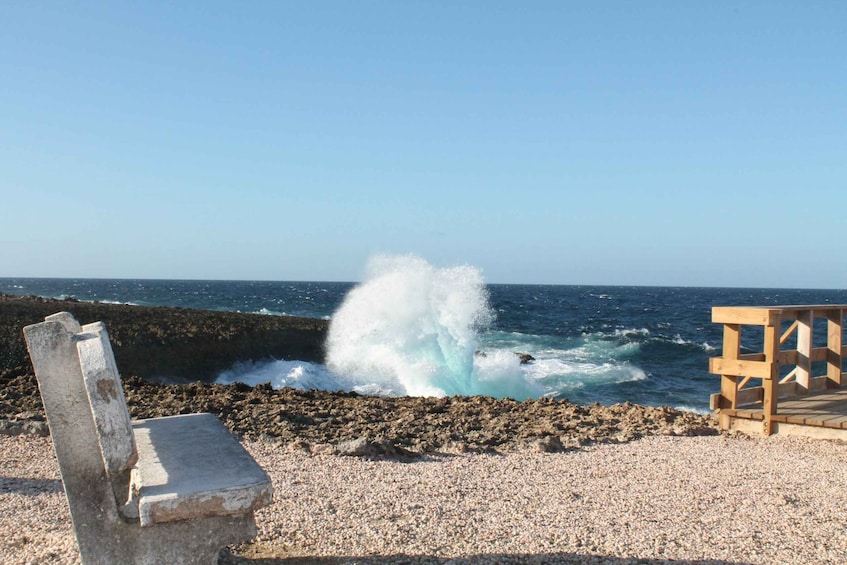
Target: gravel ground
[[712, 499]]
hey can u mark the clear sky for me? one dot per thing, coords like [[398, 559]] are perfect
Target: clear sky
[[648, 143]]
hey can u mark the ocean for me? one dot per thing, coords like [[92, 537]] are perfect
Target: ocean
[[410, 328]]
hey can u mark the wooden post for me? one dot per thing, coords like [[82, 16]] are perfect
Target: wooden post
[[771, 385], [805, 321], [835, 324], [731, 350], [729, 383]]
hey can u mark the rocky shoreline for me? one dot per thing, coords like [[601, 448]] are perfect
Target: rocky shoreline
[[191, 346]]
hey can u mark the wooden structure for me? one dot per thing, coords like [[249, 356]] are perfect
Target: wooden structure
[[780, 389]]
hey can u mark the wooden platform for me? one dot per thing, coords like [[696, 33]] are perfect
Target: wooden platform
[[796, 383], [818, 415]]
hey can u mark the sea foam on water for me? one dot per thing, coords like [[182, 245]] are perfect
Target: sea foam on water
[[411, 328]]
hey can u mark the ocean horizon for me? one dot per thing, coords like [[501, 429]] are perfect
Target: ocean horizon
[[418, 330]]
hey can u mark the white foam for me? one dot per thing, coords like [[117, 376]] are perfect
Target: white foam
[[118, 302], [705, 346], [265, 312], [411, 326], [632, 332], [500, 373], [301, 375], [687, 408]]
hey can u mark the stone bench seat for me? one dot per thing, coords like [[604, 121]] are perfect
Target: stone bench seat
[[169, 490], [180, 473]]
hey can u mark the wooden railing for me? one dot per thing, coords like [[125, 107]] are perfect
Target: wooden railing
[[761, 379]]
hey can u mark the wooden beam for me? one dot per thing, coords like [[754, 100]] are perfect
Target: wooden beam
[[834, 349], [805, 323], [789, 376], [770, 383], [788, 332], [820, 310], [750, 396], [755, 315], [788, 356], [819, 383], [731, 349], [787, 389], [715, 401], [739, 368], [820, 354], [752, 356]]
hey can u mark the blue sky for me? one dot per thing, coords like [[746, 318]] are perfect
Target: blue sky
[[648, 143]]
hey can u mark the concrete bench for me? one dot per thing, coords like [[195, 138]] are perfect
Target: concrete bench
[[164, 490]]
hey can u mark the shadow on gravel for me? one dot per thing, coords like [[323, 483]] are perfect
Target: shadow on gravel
[[30, 487], [516, 558]]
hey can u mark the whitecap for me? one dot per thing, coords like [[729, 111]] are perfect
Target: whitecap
[[266, 312]]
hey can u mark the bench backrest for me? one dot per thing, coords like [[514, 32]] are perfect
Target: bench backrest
[[90, 491], [106, 397], [62, 352]]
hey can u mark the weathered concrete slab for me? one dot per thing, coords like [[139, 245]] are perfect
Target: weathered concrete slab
[[106, 396], [189, 466]]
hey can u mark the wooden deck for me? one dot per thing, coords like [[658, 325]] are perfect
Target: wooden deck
[[799, 390], [820, 415]]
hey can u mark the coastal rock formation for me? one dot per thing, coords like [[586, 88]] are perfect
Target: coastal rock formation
[[169, 344], [192, 344], [350, 423]]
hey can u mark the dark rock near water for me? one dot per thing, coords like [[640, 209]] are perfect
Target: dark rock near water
[[192, 344], [171, 344], [525, 358]]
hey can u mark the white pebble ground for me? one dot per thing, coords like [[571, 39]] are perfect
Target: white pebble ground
[[714, 499]]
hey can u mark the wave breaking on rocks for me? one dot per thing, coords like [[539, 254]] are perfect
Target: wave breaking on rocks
[[311, 421]]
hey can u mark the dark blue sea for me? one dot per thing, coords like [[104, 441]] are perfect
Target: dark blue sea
[[424, 331]]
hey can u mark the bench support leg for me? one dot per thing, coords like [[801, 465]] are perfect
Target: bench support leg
[[192, 542]]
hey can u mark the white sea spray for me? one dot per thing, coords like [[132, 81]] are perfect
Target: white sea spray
[[414, 328]]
